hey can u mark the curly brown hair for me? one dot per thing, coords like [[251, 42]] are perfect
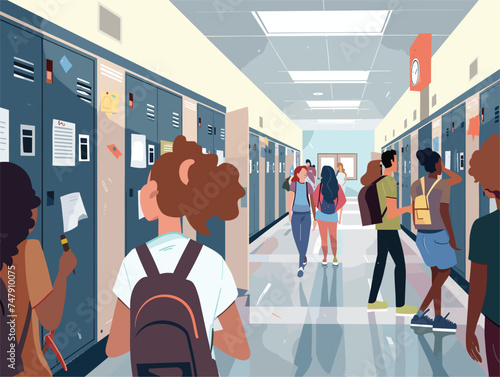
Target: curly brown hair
[[211, 191], [485, 165]]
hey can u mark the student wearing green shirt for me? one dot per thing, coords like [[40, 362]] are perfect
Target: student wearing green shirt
[[484, 254], [387, 234]]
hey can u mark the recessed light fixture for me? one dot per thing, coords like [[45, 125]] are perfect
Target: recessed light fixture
[[336, 121], [347, 105], [326, 77], [309, 23], [318, 93]]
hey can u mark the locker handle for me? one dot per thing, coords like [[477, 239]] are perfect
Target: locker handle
[[482, 115], [215, 130], [131, 192], [257, 167], [49, 71]]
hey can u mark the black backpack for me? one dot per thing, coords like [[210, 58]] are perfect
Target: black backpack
[[12, 363], [167, 331], [369, 205]]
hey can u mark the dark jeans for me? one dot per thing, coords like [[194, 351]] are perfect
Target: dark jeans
[[388, 242], [301, 229], [492, 344]]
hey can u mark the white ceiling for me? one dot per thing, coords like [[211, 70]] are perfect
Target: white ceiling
[[266, 60]]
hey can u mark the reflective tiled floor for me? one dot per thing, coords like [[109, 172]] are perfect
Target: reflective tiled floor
[[318, 324]]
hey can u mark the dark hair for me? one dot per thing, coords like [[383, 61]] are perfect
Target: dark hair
[[388, 157], [428, 159], [212, 190], [17, 199], [329, 184], [310, 163]]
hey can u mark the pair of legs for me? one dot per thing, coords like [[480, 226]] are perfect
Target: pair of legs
[[434, 294], [388, 242], [301, 230], [326, 228]]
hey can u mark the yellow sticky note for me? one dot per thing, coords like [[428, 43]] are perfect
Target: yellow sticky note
[[109, 102], [266, 141], [166, 147]]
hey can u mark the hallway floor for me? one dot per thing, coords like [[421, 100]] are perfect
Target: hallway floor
[[318, 324]]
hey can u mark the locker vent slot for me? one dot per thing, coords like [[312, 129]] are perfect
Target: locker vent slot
[[111, 73], [150, 112], [84, 90], [210, 129], [223, 134], [497, 114], [175, 120], [24, 69], [190, 105]]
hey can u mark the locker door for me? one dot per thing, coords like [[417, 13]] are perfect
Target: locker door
[[490, 105], [254, 184], [406, 179], [140, 120], [424, 141], [270, 182], [282, 167], [396, 175], [453, 139], [70, 98], [205, 128], [169, 117], [21, 94]]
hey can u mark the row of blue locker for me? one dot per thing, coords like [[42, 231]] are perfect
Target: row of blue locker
[[49, 91], [275, 172], [452, 144]]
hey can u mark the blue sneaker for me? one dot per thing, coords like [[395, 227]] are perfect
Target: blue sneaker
[[300, 273], [422, 321], [444, 324]]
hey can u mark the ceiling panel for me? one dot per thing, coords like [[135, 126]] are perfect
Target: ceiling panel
[[302, 53], [352, 53]]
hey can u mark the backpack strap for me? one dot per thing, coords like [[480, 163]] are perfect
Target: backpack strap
[[26, 327], [188, 259], [148, 263], [434, 185]]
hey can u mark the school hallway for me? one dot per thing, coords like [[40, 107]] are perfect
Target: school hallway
[[318, 324]]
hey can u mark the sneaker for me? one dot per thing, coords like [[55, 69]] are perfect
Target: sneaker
[[324, 263], [444, 324], [305, 262], [300, 272], [335, 261], [377, 305], [406, 310], [422, 321]]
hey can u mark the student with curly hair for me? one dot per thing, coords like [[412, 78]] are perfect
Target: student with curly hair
[[186, 182], [435, 238], [36, 300], [484, 254]]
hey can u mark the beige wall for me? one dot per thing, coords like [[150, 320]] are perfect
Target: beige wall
[[237, 230], [477, 36]]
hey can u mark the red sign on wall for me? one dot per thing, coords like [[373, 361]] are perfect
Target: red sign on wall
[[420, 62]]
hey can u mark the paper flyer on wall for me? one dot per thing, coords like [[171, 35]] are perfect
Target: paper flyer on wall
[[138, 156], [4, 135], [63, 143], [73, 210]]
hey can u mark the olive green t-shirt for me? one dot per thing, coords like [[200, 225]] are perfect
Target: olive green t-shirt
[[387, 188], [485, 248]]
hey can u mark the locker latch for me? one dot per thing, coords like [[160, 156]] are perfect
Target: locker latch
[[49, 71]]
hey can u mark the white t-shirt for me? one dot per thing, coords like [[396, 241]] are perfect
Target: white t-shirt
[[341, 178], [210, 275]]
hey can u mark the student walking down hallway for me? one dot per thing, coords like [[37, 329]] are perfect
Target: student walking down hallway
[[299, 204]]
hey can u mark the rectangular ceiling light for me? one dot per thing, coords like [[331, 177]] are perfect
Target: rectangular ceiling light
[[334, 104], [325, 77], [341, 23], [336, 121]]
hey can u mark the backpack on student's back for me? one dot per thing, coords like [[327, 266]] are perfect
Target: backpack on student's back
[[286, 184], [325, 207], [422, 213], [167, 331], [369, 204], [8, 344]]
